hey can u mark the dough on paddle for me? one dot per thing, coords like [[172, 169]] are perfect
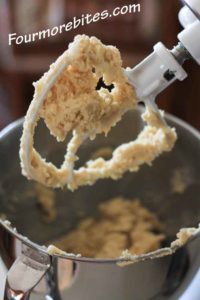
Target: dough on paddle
[[67, 99]]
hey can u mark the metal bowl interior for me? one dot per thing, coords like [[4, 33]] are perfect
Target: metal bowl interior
[[152, 185]]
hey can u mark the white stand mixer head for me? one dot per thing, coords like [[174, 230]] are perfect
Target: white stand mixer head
[[194, 6], [161, 68], [189, 17]]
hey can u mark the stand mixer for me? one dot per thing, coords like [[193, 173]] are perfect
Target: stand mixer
[[28, 262], [161, 68]]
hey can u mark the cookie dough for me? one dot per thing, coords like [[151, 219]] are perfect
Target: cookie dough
[[67, 99], [46, 202], [122, 224], [181, 179]]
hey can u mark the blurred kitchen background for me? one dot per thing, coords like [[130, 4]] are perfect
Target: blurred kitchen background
[[133, 34]]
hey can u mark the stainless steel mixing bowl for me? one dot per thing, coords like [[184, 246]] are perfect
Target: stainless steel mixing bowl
[[84, 278]]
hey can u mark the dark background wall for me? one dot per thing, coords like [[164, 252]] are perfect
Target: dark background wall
[[133, 34]]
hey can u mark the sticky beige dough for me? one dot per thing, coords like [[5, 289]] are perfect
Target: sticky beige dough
[[122, 224], [46, 201], [105, 152], [181, 179], [72, 103]]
